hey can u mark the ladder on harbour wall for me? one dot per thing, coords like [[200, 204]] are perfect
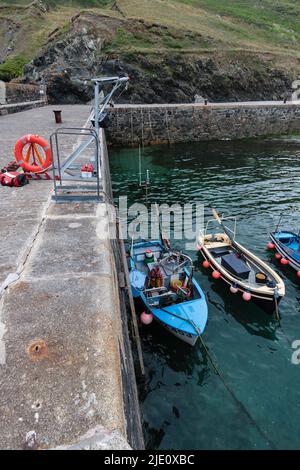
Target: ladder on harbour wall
[[146, 128]]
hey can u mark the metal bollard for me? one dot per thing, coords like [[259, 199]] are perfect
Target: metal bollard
[[57, 115]]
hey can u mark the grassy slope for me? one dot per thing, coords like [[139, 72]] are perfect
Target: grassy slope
[[265, 26], [261, 24]]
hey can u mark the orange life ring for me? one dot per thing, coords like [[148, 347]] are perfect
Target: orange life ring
[[36, 148]]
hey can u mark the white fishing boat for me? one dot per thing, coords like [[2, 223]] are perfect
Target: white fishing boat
[[245, 273]]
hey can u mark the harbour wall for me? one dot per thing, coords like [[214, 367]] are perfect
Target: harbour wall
[[11, 93], [132, 125], [132, 414]]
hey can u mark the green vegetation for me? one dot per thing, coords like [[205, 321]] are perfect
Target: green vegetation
[[220, 27], [12, 68], [72, 3], [154, 39], [266, 25]]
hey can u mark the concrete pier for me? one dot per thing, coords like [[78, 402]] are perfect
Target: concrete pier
[[63, 346]]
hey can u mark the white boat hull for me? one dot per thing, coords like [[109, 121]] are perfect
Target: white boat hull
[[185, 337]]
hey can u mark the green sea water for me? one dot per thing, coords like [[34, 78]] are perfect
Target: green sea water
[[255, 404]]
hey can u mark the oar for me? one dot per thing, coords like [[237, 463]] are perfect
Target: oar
[[164, 240], [219, 220], [276, 304]]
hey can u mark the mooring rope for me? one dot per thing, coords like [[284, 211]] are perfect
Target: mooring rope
[[230, 391]]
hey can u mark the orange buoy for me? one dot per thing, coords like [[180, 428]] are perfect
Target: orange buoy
[[33, 153], [216, 274], [206, 264]]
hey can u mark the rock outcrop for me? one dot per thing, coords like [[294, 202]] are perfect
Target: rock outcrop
[[92, 46]]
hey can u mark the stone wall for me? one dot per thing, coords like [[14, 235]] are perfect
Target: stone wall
[[11, 93], [18, 107], [154, 124]]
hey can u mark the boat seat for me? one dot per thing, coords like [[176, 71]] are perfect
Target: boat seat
[[162, 300], [155, 290], [236, 266], [220, 251]]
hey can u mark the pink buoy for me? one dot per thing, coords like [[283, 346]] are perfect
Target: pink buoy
[[278, 256], [270, 246], [146, 318], [233, 289], [206, 264], [247, 296], [216, 274], [284, 261], [298, 273]]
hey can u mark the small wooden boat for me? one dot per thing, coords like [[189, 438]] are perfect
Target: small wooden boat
[[163, 279], [238, 267]]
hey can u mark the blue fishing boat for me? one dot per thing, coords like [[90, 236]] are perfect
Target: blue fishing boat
[[287, 244], [163, 279]]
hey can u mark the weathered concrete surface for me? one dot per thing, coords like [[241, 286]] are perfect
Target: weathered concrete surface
[[171, 123], [99, 439], [61, 338], [66, 303], [21, 209]]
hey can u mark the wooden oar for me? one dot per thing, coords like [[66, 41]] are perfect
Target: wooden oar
[[219, 220], [164, 240]]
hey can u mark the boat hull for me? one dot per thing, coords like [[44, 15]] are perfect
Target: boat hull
[[186, 337]]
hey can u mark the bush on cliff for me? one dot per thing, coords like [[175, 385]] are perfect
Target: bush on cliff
[[12, 68]]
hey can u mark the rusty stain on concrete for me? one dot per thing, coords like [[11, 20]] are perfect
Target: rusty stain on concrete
[[37, 350]]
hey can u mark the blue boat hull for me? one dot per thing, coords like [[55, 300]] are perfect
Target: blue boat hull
[[287, 244]]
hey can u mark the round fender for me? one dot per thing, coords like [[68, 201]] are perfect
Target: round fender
[[38, 155]]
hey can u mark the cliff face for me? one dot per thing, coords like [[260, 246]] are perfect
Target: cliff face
[[171, 59], [86, 50]]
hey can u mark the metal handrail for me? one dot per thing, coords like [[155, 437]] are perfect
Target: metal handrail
[[62, 168]]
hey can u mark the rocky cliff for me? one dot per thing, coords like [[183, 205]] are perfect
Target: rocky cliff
[[167, 62]]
